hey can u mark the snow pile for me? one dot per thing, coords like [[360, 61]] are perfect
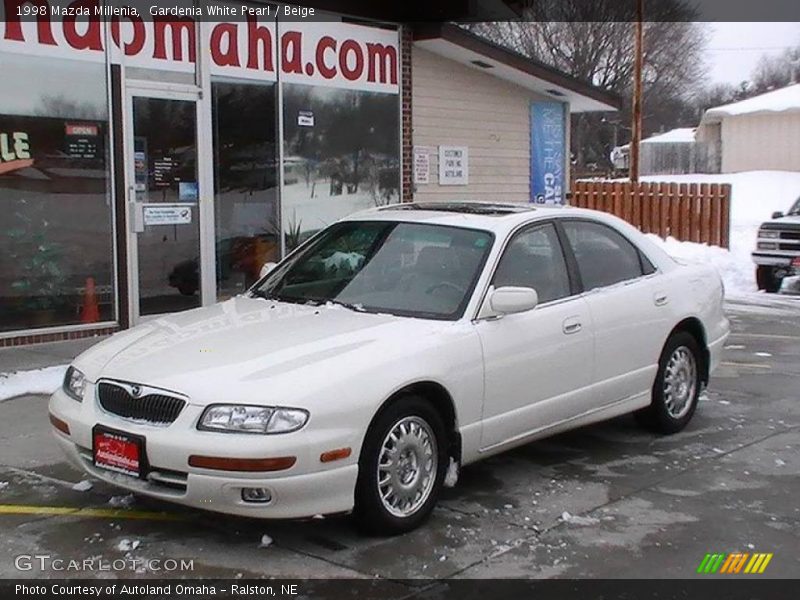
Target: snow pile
[[755, 195], [82, 486], [35, 381], [578, 520], [782, 100], [122, 501], [126, 545]]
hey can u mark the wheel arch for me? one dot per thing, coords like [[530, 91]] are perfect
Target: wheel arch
[[441, 400], [694, 327]]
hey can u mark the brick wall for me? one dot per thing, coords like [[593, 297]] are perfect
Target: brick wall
[[40, 338], [407, 145]]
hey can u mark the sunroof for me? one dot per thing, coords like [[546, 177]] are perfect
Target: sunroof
[[472, 208]]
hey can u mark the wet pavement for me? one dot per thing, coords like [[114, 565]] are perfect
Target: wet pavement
[[609, 500]]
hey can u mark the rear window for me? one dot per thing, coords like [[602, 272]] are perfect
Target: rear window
[[604, 256]]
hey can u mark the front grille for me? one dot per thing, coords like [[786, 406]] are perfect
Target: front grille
[[151, 406], [790, 235]]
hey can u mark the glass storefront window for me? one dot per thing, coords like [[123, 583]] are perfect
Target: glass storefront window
[[341, 155], [56, 252], [246, 183]]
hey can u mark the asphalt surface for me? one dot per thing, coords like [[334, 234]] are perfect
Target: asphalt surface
[[604, 501]]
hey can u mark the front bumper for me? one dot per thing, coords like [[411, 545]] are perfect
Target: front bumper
[[308, 488], [773, 259]]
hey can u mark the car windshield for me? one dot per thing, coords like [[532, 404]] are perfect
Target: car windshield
[[795, 210], [408, 269]]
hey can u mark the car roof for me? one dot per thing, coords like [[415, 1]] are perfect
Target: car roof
[[492, 216], [503, 218]]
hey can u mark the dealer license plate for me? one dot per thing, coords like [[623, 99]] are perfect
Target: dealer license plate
[[118, 451]]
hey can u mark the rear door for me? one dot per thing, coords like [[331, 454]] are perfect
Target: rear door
[[538, 364], [628, 304]]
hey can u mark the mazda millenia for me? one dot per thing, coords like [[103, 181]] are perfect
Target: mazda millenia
[[388, 350]]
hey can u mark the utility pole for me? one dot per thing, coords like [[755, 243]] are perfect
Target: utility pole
[[636, 113]]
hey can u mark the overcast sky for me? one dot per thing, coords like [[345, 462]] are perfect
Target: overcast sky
[[734, 48]]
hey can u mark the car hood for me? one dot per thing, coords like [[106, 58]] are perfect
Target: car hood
[[786, 222], [242, 340]]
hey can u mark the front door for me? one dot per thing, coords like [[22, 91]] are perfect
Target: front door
[[538, 364], [164, 190]]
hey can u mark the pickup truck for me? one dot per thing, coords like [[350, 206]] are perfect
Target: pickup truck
[[777, 253]]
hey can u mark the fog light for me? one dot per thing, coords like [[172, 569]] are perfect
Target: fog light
[[257, 495]]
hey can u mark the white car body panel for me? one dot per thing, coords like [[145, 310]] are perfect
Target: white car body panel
[[342, 366]]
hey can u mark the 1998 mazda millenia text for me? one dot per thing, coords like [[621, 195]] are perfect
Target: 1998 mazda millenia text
[[391, 345]]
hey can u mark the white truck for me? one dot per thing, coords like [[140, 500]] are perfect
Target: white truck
[[777, 253]]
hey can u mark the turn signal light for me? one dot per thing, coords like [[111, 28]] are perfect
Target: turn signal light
[[250, 465], [59, 424], [332, 455]]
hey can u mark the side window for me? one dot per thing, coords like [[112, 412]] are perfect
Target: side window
[[604, 256], [534, 259]]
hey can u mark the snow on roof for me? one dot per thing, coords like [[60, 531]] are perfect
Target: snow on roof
[[783, 100], [680, 135]]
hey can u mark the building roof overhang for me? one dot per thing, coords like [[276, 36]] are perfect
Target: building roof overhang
[[457, 44]]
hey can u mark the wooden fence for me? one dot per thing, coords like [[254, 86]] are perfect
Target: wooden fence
[[688, 212]]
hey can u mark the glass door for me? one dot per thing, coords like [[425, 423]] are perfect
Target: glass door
[[164, 195]]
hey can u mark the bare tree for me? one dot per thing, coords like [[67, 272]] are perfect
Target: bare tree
[[594, 42], [773, 72]]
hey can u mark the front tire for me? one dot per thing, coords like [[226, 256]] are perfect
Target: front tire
[[766, 279], [401, 468], [676, 389]]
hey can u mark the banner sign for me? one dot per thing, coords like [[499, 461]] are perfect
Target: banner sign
[[333, 54], [548, 152]]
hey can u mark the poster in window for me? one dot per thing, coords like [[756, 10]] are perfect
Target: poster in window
[[548, 145], [82, 140]]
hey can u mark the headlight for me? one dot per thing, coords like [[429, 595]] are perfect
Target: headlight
[[766, 233], [239, 418], [74, 384]]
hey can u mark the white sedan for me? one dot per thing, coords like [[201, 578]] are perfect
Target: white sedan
[[388, 350]]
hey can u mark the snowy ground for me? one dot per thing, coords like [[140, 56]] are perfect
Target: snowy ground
[[755, 196], [35, 381]]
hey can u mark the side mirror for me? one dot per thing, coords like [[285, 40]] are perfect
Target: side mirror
[[268, 266], [509, 300], [777, 214]]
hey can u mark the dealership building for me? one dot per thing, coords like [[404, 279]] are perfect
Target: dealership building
[[153, 163]]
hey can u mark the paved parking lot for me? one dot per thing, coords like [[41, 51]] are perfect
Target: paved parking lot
[[605, 501]]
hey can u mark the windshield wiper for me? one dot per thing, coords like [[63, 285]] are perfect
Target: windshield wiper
[[261, 294]]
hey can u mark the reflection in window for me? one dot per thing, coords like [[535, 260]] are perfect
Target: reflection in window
[[246, 215], [534, 259], [55, 232], [604, 256], [341, 155]]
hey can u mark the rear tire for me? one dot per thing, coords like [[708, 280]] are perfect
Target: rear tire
[[402, 465], [766, 280], [676, 389]]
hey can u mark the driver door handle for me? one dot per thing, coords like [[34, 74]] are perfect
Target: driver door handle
[[660, 298], [571, 325]]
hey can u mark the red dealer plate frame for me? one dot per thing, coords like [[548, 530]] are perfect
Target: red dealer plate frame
[[118, 451]]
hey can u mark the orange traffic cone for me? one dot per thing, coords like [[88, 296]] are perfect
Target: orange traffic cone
[[90, 312]]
